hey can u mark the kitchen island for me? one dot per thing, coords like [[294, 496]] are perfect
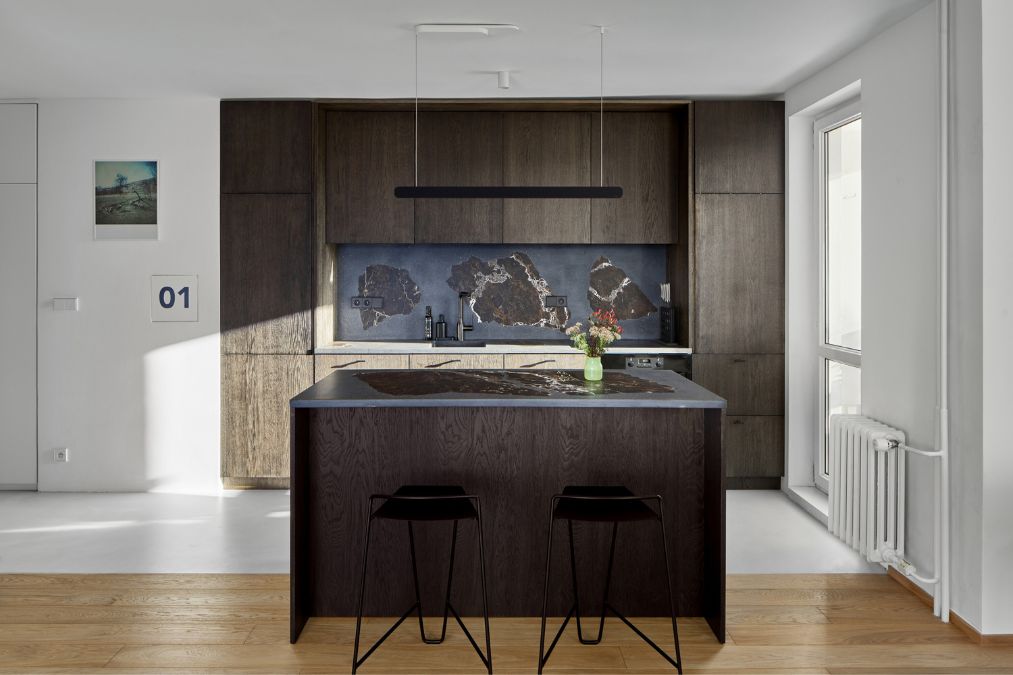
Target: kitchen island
[[514, 438]]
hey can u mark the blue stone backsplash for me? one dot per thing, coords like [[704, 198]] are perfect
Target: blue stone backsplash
[[508, 284]]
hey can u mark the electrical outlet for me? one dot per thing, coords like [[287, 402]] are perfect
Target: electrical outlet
[[361, 302], [555, 301], [61, 455]]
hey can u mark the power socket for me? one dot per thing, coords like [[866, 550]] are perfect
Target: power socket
[[555, 301], [61, 455], [362, 302]]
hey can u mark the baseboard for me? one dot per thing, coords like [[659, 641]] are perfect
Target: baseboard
[[749, 483], [234, 483], [970, 631]]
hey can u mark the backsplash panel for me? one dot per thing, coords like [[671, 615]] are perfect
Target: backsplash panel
[[508, 285]]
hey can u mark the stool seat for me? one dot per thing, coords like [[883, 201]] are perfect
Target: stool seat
[[598, 503], [423, 502]]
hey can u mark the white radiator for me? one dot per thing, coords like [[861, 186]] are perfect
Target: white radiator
[[867, 486]]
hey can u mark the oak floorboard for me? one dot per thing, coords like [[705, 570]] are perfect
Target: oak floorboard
[[184, 624]]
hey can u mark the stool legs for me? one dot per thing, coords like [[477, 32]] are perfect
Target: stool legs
[[576, 592], [450, 583]]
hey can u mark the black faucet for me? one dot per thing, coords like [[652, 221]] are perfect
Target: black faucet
[[461, 326]]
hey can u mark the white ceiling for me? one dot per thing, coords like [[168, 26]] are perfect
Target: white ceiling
[[344, 48]]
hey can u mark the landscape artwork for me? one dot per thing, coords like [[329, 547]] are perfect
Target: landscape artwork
[[126, 193]]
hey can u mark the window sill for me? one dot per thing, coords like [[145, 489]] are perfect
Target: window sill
[[812, 500]]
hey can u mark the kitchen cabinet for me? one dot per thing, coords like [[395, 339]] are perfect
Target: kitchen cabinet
[[266, 147], [325, 364], [460, 148], [456, 361], [266, 274], [255, 414], [367, 154], [740, 274], [753, 384], [543, 361], [739, 146], [754, 446], [547, 148], [641, 157]]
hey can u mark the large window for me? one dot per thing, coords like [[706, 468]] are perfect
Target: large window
[[838, 145]]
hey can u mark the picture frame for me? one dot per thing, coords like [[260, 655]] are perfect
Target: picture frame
[[125, 196]]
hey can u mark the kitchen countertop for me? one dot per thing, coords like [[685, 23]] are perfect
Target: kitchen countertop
[[493, 347], [505, 388]]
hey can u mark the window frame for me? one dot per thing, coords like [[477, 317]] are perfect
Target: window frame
[[838, 117]]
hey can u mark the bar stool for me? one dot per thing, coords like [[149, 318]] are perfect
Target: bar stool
[[426, 503], [603, 504]]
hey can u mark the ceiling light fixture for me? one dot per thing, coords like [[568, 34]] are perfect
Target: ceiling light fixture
[[416, 191]]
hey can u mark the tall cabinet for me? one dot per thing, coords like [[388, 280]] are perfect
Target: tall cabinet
[[739, 279], [267, 266]]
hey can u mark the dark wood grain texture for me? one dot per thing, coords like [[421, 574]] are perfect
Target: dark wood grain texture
[[680, 262], [266, 147], [740, 274], [368, 154], [515, 459], [506, 104], [460, 148], [753, 384], [300, 581], [739, 146], [754, 446], [640, 156], [266, 276], [255, 417], [547, 148]]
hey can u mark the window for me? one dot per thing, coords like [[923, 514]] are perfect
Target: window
[[838, 151]]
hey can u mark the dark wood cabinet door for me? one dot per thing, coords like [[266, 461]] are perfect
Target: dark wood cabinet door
[[740, 274], [739, 146], [547, 148], [460, 148], [255, 412], [267, 265], [368, 154], [753, 384], [754, 446], [640, 157], [266, 147]]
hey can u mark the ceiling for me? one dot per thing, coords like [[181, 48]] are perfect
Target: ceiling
[[353, 49]]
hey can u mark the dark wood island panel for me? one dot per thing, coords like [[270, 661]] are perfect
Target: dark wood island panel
[[515, 459]]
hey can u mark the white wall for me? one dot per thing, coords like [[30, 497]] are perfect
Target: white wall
[[997, 325], [17, 306], [897, 71], [136, 402]]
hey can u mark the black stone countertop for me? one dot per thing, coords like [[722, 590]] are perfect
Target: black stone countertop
[[507, 388]]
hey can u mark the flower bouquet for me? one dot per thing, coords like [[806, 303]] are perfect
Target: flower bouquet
[[603, 330]]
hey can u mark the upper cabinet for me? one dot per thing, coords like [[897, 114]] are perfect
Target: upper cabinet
[[460, 148], [640, 157], [739, 146], [547, 148], [367, 154], [266, 147]]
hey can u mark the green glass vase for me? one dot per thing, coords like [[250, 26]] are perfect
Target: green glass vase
[[592, 368]]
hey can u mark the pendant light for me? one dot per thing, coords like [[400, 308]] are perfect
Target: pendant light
[[416, 191]]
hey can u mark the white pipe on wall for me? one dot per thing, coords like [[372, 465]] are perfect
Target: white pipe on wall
[[942, 548]]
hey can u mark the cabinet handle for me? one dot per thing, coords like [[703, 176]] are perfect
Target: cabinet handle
[[736, 421], [443, 363], [537, 363], [350, 363], [738, 360]]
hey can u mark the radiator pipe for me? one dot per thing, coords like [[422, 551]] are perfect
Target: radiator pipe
[[942, 550]]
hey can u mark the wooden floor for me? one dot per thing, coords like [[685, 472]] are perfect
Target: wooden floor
[[239, 623]]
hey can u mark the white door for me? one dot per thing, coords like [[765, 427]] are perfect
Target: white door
[[18, 453]]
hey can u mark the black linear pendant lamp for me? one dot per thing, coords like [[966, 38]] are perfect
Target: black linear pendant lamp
[[416, 191]]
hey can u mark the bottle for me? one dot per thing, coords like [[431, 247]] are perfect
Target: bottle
[[441, 328], [429, 322]]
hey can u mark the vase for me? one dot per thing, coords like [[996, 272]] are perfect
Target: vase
[[592, 368]]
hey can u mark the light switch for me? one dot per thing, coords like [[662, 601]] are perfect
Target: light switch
[[65, 304]]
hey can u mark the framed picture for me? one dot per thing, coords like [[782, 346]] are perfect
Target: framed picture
[[126, 199]]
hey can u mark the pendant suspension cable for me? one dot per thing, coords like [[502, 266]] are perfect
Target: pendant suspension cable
[[418, 65], [601, 107]]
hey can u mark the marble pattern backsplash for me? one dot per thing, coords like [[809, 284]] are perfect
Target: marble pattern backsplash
[[508, 286]]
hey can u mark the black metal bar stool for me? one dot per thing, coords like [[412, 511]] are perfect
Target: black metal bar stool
[[426, 503], [603, 504]]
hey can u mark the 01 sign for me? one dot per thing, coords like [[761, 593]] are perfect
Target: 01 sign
[[174, 297]]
